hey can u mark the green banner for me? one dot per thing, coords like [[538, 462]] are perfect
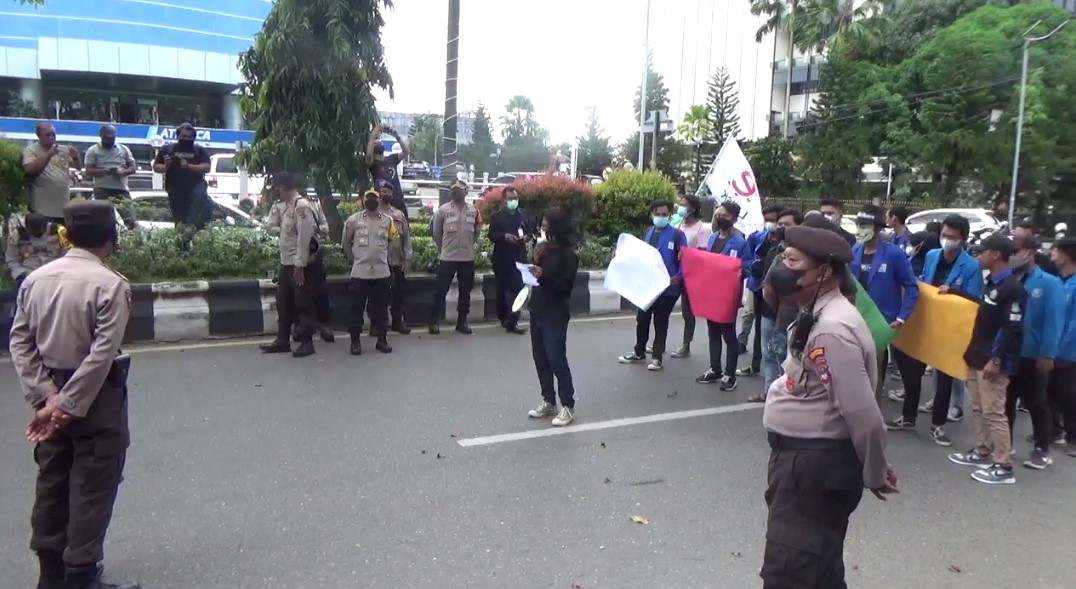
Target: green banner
[[881, 331]]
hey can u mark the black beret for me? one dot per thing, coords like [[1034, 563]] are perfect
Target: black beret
[[821, 244], [90, 213], [1066, 241], [998, 243]]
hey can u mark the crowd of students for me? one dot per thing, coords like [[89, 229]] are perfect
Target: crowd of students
[[1023, 349]]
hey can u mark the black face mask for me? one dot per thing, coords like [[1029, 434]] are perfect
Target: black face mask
[[185, 143], [371, 203], [785, 280], [724, 224], [108, 143], [379, 150], [457, 195], [778, 234]]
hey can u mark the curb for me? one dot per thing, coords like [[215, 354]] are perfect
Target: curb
[[199, 310]]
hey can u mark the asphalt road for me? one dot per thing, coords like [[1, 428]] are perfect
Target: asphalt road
[[255, 472]]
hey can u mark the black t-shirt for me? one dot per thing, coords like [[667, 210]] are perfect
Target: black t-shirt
[[385, 170], [864, 270], [177, 180], [998, 329], [942, 273]]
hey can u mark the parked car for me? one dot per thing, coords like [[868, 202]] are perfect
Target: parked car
[[223, 180], [981, 221]]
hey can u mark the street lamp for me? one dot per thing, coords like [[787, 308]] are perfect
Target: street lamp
[[1020, 119], [642, 89]]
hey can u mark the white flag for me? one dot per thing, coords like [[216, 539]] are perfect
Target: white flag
[[731, 178]]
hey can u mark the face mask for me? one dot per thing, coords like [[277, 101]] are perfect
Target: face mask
[[661, 222], [909, 250], [541, 236], [681, 211], [786, 281], [724, 224], [830, 216], [379, 150], [386, 199], [864, 234], [108, 143], [950, 245], [185, 143], [457, 195], [779, 234], [371, 203], [513, 204], [770, 227], [1019, 262]]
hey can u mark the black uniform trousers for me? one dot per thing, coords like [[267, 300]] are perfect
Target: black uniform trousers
[[1029, 385], [911, 374], [814, 486], [372, 297], [318, 275], [659, 313], [509, 283], [295, 305], [756, 344], [398, 295], [446, 271], [1061, 397], [79, 474]]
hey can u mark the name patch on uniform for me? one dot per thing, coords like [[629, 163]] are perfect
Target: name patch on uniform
[[881, 268], [671, 245]]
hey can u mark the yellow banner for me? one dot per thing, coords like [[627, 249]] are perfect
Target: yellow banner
[[939, 331]]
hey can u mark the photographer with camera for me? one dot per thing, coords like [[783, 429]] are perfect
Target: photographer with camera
[[384, 167]]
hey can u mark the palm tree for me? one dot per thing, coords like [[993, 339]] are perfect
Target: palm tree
[[825, 20], [694, 130], [781, 17]]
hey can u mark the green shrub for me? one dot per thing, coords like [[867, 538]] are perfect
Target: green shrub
[[623, 202], [13, 187], [594, 253], [539, 194]]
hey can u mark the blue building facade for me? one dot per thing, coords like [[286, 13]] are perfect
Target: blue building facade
[[147, 63]]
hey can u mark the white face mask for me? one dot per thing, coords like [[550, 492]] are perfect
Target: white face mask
[[831, 216], [950, 245], [541, 236], [909, 250], [770, 227], [864, 234]]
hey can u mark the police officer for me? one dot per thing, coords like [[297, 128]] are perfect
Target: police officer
[[77, 385], [508, 231], [366, 243], [294, 293], [31, 246], [455, 231], [400, 252], [825, 429]]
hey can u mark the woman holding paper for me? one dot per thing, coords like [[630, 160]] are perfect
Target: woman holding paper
[[555, 266], [697, 234]]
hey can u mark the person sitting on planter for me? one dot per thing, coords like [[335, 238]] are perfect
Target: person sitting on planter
[[31, 246], [508, 230], [455, 231], [367, 235]]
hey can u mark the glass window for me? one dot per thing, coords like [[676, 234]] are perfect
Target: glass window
[[226, 165]]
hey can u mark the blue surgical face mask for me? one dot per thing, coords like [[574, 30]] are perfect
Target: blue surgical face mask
[[661, 222], [513, 204], [681, 211]]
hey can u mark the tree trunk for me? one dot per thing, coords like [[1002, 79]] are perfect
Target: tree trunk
[[325, 196]]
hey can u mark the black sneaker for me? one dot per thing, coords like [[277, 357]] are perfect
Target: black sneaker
[[995, 475], [971, 458], [708, 377], [631, 358], [1039, 459], [747, 371], [900, 424], [728, 383], [939, 436]]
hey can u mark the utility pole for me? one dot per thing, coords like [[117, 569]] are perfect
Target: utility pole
[[448, 141], [642, 89], [1020, 118], [654, 145], [793, 5]]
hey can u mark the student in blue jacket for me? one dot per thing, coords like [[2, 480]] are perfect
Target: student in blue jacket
[[1061, 389], [1043, 322], [668, 241], [730, 242], [952, 270], [758, 245], [886, 274]]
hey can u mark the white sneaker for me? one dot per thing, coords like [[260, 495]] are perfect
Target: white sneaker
[[655, 365], [543, 410], [955, 415], [565, 417]]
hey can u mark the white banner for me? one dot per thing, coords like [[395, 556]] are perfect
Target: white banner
[[637, 272], [731, 178]]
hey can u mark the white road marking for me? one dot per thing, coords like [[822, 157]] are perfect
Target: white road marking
[[600, 425], [232, 343]]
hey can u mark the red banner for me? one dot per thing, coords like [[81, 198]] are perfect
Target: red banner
[[714, 284]]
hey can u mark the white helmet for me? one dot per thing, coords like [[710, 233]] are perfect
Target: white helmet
[[1061, 228]]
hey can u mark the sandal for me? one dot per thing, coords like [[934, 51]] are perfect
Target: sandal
[[757, 398]]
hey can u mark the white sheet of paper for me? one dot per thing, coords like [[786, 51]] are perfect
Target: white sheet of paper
[[636, 272], [528, 277]]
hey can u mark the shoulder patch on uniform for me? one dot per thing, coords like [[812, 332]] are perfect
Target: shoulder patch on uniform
[[824, 374]]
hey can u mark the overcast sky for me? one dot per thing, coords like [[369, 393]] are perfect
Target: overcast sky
[[565, 55]]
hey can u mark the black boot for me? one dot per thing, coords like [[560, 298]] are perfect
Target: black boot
[[462, 327], [280, 345], [382, 344], [356, 345], [306, 348], [400, 327], [516, 329], [295, 336], [435, 328], [327, 335], [89, 577], [53, 570]]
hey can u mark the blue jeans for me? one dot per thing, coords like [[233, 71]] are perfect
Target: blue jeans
[[549, 346], [959, 393], [774, 350]]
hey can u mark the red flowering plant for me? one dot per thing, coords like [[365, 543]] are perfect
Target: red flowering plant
[[538, 194]]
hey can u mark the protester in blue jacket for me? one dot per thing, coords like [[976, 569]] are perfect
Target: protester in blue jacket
[[668, 241], [730, 242], [1043, 324], [952, 270], [886, 274], [758, 245], [1061, 389]]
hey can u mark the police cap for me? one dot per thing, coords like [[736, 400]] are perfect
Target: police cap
[[90, 214], [998, 243], [820, 244]]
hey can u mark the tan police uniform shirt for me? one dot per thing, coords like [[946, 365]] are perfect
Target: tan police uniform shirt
[[828, 391], [297, 227], [72, 315], [455, 231], [51, 189], [366, 242], [23, 256], [400, 250]]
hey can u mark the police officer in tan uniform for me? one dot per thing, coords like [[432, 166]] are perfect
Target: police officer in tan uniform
[[31, 246], [366, 243], [400, 252], [295, 293], [455, 231], [65, 343], [824, 426]]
